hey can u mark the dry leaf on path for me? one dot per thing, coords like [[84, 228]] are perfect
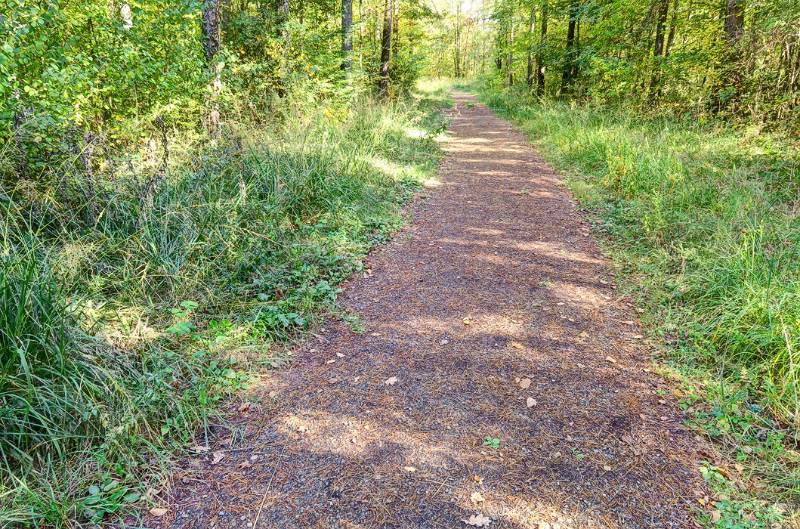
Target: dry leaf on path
[[477, 497], [216, 457], [478, 520], [525, 383], [391, 381], [158, 511], [611, 359], [531, 402], [410, 469], [516, 345]]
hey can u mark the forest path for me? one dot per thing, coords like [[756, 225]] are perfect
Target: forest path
[[491, 316]]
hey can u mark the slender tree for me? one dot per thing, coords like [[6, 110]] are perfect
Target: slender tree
[[673, 26], [658, 47], [386, 48], [734, 20], [457, 58], [540, 53], [396, 29], [531, 23], [211, 29], [212, 41], [570, 55], [510, 50], [347, 36]]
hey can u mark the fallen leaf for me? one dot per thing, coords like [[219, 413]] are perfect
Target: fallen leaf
[[410, 469], [200, 449], [477, 479], [444, 341], [216, 457], [245, 464], [478, 520], [531, 402], [607, 468], [340, 355], [525, 383], [516, 345], [331, 361], [391, 381], [543, 525], [611, 359], [476, 497], [245, 406], [467, 321], [716, 516], [158, 511]]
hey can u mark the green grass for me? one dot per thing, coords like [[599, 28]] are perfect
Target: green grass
[[703, 223], [131, 310]]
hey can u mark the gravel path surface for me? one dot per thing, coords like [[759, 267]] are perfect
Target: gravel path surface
[[492, 315]]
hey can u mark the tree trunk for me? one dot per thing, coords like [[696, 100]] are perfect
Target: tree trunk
[[510, 55], [540, 53], [531, 22], [396, 29], [386, 48], [347, 36], [568, 73], [734, 21], [673, 24], [658, 48], [361, 34], [457, 61], [211, 25], [212, 41]]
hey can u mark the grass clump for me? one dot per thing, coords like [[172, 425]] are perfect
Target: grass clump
[[135, 297], [703, 224]]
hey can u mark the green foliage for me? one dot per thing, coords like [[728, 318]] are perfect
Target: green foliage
[[651, 55], [491, 442]]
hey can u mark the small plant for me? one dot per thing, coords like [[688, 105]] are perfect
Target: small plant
[[182, 326], [491, 442]]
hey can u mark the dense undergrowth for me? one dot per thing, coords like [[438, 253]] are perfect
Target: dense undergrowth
[[704, 223], [132, 302]]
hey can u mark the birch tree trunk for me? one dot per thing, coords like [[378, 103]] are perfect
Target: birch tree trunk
[[386, 48]]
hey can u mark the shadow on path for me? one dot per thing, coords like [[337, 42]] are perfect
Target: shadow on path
[[497, 284]]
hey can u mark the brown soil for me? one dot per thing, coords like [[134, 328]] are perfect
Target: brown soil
[[497, 281]]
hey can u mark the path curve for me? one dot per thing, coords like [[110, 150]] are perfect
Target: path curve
[[495, 285]]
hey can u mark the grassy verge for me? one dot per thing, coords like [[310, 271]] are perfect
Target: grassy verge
[[134, 299], [704, 226]]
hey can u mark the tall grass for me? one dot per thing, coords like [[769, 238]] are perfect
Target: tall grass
[[129, 310], [704, 223]]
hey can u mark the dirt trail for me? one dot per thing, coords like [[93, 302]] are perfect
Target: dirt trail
[[497, 283]]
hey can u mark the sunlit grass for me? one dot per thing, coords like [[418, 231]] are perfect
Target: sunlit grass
[[120, 337]]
